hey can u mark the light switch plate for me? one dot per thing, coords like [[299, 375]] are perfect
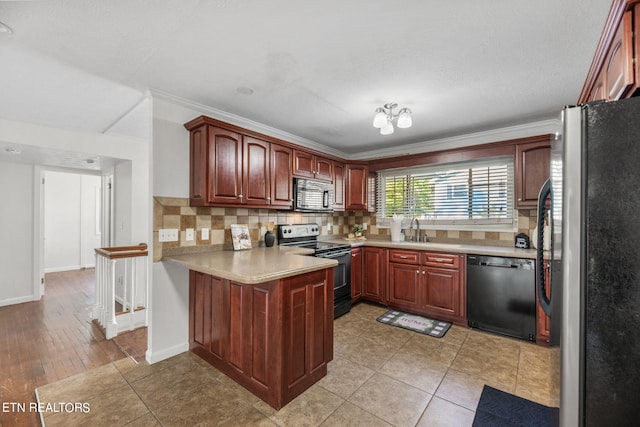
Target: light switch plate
[[168, 235], [189, 234]]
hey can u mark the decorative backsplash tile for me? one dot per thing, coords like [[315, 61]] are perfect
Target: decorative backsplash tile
[[170, 212]]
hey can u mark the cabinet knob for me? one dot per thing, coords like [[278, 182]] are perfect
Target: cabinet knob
[[240, 196], [268, 199], [417, 271], [424, 272]]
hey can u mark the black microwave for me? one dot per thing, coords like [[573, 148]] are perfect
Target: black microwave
[[310, 195]]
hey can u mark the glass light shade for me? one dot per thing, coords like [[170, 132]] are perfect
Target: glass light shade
[[387, 129], [404, 118], [380, 118]]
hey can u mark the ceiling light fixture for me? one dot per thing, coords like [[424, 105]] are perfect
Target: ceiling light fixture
[[384, 118], [12, 150]]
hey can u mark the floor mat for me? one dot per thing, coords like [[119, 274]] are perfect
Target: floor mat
[[499, 409], [412, 322]]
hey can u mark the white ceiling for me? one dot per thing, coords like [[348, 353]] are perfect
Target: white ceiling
[[318, 70]]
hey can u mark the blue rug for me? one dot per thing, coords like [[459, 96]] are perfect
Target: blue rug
[[499, 409]]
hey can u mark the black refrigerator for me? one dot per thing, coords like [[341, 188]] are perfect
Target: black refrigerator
[[595, 268]]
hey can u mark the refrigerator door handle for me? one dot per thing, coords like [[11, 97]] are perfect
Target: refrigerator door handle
[[545, 302]]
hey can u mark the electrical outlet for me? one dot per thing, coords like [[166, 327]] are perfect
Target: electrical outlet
[[204, 234], [189, 234], [168, 235], [364, 225]]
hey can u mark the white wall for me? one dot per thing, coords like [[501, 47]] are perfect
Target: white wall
[[70, 228], [170, 159], [16, 231]]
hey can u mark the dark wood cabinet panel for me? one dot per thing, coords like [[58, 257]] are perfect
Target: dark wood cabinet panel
[[531, 170], [404, 284], [404, 256], [442, 288], [274, 338], [256, 172], [618, 67], [224, 154], [281, 174], [308, 165], [542, 320], [356, 187], [356, 274], [374, 279], [338, 186], [198, 166]]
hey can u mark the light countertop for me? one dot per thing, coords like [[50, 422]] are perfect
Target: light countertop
[[255, 265], [502, 251]]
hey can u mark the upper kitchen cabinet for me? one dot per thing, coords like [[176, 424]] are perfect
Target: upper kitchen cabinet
[[614, 72], [309, 165], [234, 167], [357, 176], [531, 170], [338, 186]]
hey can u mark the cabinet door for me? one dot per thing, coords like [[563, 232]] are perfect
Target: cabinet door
[[618, 66], [374, 281], [532, 170], [356, 193], [338, 186], [198, 166], [356, 274], [441, 290], [207, 320], [303, 164], [598, 92], [404, 284], [224, 154], [542, 320], [281, 183], [256, 172], [323, 169]]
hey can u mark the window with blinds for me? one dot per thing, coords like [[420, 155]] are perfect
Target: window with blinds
[[473, 192]]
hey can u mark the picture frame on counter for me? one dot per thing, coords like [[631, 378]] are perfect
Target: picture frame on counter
[[240, 237]]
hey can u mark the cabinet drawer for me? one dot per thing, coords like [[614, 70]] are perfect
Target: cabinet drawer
[[405, 257], [440, 260]]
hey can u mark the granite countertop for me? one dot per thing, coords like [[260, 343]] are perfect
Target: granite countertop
[[503, 251], [255, 265]]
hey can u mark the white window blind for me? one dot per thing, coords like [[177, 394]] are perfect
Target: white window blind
[[473, 192]]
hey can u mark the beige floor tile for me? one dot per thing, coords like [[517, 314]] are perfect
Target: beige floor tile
[[353, 416], [309, 409], [389, 335], [414, 370], [442, 413], [368, 310], [395, 402], [535, 378], [249, 417], [344, 377], [84, 386], [368, 352], [431, 349], [116, 407], [461, 389], [148, 420]]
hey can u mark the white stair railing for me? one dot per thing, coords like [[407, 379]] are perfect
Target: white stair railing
[[132, 275]]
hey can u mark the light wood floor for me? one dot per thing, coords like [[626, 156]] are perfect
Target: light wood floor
[[47, 340]]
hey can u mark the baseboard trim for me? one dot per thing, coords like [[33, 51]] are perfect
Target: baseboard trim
[[158, 356], [18, 300], [58, 269]]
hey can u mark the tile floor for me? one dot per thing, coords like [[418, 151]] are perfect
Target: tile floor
[[380, 376]]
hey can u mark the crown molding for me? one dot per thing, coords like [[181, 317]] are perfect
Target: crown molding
[[179, 110], [467, 140]]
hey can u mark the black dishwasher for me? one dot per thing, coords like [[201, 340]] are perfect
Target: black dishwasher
[[501, 295]]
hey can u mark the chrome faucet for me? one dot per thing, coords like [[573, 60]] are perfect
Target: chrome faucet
[[415, 236]]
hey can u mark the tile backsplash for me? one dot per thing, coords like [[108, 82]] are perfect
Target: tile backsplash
[[170, 212]]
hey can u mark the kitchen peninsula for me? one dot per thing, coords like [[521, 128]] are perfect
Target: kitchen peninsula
[[263, 316]]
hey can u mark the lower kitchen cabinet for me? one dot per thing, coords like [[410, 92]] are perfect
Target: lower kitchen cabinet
[[374, 279], [428, 283], [274, 338], [356, 274], [542, 320]]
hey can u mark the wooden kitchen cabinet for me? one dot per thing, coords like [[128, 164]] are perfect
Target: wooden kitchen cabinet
[[615, 72], [531, 170], [356, 274], [428, 283], [357, 176], [374, 279], [232, 168], [542, 320], [309, 165], [274, 338], [338, 186]]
